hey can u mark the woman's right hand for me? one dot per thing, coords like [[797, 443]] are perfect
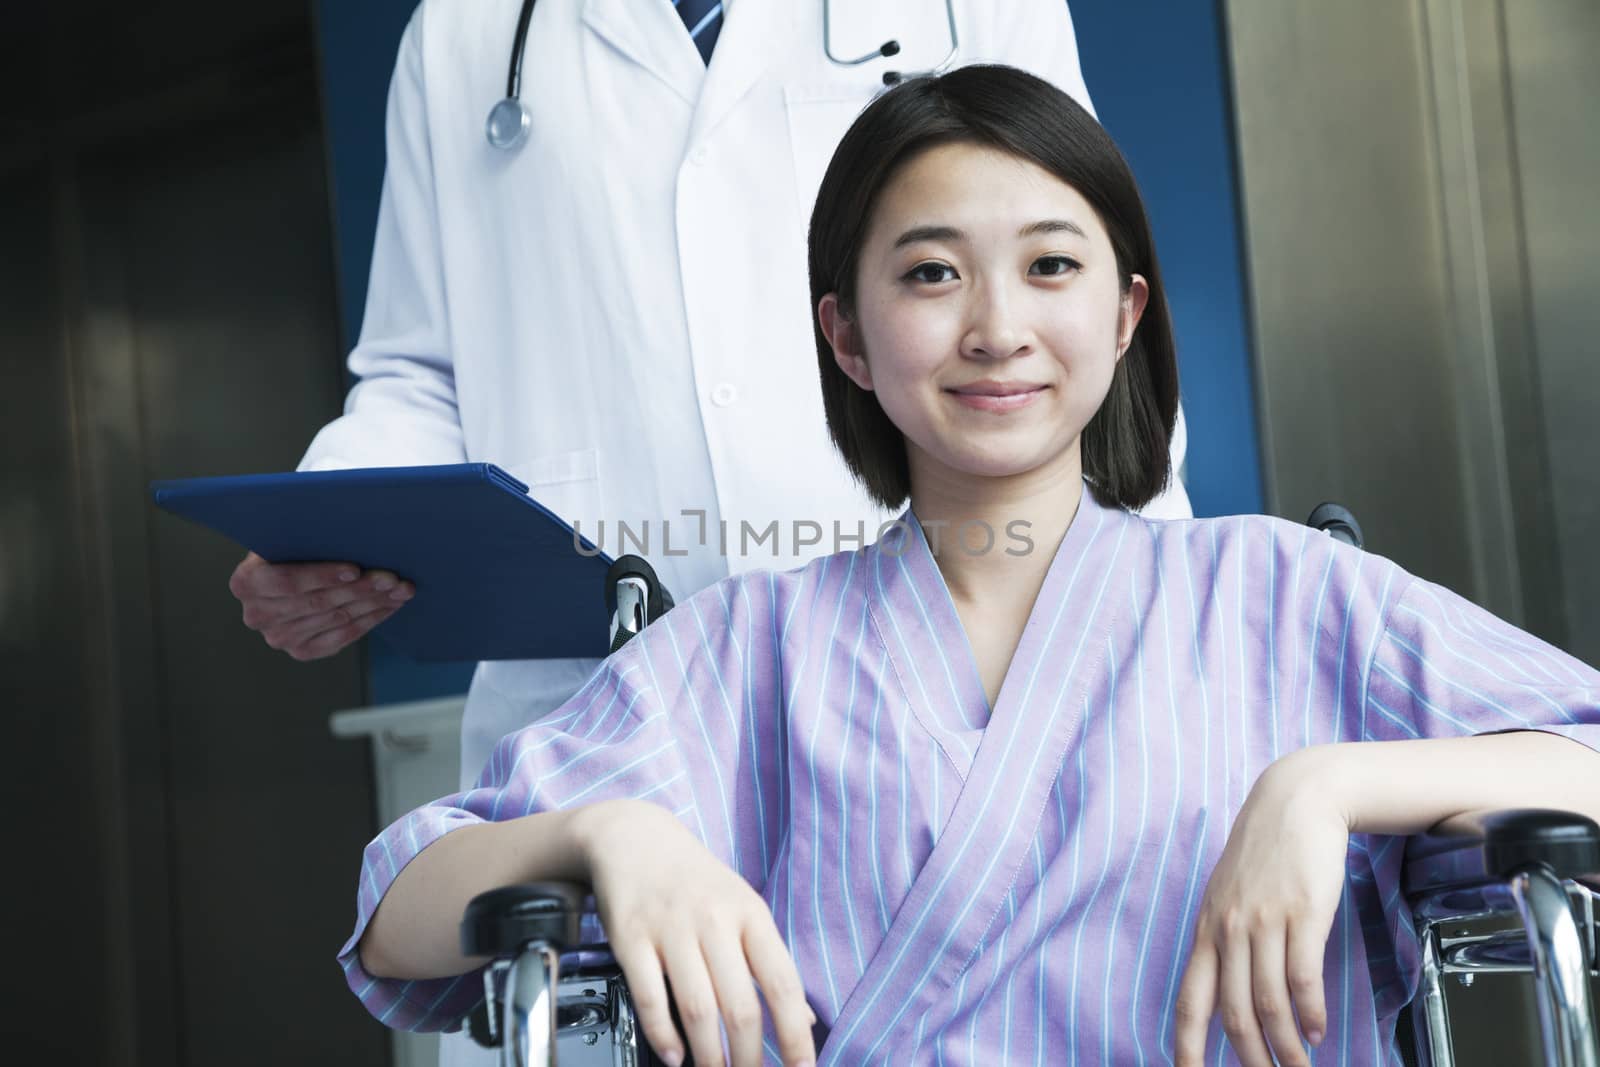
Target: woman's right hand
[[312, 610], [674, 913]]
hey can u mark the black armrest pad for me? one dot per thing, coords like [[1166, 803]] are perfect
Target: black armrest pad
[[1483, 845], [501, 921]]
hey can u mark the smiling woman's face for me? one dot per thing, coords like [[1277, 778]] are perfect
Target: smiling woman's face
[[989, 315]]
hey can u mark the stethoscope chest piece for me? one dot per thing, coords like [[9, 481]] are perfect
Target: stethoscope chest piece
[[507, 125]]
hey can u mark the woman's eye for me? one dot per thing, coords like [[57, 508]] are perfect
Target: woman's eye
[[1053, 265], [931, 273]]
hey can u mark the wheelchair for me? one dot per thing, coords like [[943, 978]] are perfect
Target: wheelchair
[[1492, 893]]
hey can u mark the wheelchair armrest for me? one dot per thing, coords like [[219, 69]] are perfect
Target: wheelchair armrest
[[501, 921], [1487, 846]]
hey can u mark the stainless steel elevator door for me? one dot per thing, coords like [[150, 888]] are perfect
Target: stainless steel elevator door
[[1416, 179], [1551, 50]]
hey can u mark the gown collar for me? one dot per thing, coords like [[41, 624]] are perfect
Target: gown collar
[[928, 646]]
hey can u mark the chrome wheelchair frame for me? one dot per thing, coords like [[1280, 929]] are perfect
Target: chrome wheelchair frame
[[1530, 864], [530, 1008]]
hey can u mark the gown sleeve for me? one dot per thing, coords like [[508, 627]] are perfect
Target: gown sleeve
[[403, 410], [671, 719], [1443, 667]]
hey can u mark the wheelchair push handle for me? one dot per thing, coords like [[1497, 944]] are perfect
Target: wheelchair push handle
[[635, 598], [1336, 521]]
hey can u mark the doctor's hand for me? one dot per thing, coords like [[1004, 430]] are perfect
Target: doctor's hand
[[674, 913], [312, 610], [1264, 922]]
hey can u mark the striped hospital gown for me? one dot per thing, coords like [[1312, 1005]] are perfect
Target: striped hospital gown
[[966, 887]]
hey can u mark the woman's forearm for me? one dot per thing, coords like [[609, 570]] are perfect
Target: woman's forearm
[[1405, 787], [414, 932]]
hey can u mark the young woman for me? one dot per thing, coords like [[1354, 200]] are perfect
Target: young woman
[[1031, 779]]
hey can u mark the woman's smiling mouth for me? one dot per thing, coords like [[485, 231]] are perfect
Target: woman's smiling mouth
[[1000, 397]]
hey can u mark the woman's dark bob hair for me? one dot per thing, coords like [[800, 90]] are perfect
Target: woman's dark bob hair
[[1125, 445]]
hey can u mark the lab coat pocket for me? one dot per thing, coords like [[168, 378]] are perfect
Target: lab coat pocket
[[818, 118], [568, 483]]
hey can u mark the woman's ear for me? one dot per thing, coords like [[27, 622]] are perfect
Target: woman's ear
[[1131, 310], [845, 340]]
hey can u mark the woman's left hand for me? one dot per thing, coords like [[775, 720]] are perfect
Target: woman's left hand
[[1265, 918]]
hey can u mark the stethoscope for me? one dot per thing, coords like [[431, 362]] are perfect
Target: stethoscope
[[507, 126]]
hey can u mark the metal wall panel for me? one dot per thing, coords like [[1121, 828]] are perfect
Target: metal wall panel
[[186, 830], [214, 274], [1496, 394], [1350, 287], [58, 845], [1554, 76], [1416, 179]]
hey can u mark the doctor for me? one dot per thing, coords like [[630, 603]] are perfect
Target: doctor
[[608, 298]]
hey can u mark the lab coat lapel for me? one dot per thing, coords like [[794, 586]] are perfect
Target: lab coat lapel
[[754, 32], [652, 35], [960, 891]]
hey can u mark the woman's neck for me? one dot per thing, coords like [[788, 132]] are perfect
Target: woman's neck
[[994, 538]]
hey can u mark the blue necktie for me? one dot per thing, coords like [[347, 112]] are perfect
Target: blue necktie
[[703, 18]]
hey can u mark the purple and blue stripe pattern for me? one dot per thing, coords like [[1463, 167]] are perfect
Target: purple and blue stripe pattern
[[961, 886]]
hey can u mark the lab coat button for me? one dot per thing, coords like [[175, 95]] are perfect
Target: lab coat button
[[724, 394], [698, 156]]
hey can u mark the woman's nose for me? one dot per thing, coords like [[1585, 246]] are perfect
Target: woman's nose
[[994, 329]]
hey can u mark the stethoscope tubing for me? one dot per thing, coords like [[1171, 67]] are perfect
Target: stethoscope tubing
[[508, 121], [519, 45]]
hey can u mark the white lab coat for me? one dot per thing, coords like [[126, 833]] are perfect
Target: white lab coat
[[617, 313]]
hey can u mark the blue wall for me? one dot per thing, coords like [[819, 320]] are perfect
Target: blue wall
[[1158, 75], [358, 41]]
